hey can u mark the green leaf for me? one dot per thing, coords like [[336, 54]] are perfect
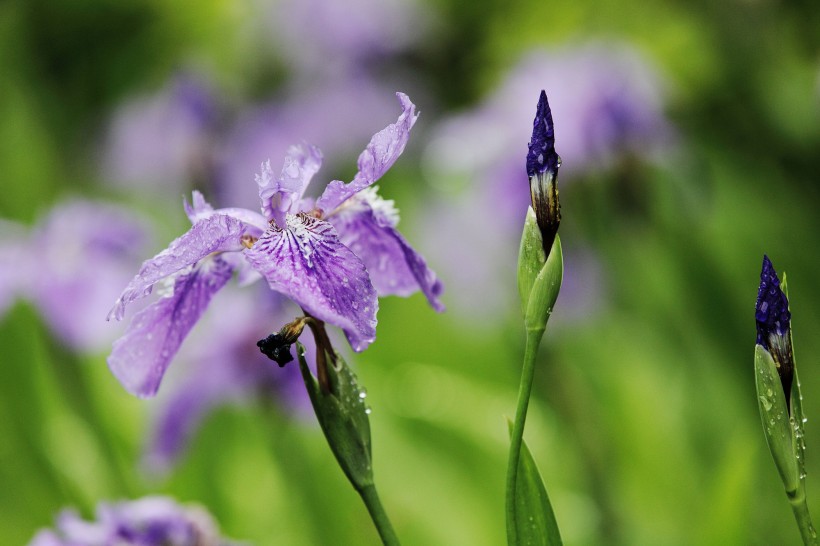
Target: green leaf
[[534, 523], [343, 416]]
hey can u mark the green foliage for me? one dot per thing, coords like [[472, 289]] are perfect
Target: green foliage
[[534, 519]]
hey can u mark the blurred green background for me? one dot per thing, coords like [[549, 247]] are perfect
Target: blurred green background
[[644, 420]]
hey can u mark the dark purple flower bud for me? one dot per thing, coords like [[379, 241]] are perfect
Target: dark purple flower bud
[[542, 168], [541, 156], [277, 345], [773, 321], [276, 348]]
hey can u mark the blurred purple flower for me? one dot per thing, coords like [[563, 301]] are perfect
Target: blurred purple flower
[[85, 252], [607, 103], [221, 365], [345, 32], [162, 140], [325, 256], [150, 521]]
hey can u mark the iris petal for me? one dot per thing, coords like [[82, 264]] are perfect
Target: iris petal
[[306, 262], [383, 150], [141, 356]]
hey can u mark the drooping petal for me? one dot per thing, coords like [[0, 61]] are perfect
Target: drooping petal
[[218, 232], [141, 356], [367, 225], [278, 194], [307, 262], [383, 150]]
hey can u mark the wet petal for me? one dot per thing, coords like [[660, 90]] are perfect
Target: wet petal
[[199, 208], [383, 150], [307, 262], [278, 194], [141, 356], [218, 232], [367, 225]]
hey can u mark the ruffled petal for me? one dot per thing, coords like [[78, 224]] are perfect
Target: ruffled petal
[[278, 194], [307, 262], [383, 150], [367, 225], [141, 356], [217, 232], [199, 208]]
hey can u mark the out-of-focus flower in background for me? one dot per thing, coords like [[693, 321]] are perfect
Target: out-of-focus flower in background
[[607, 103], [221, 365], [343, 33], [150, 521], [163, 141], [70, 265]]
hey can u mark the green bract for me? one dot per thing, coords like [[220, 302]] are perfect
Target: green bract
[[342, 414], [774, 413], [539, 276]]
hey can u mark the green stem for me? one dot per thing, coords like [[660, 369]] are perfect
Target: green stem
[[378, 515], [801, 514], [524, 390]]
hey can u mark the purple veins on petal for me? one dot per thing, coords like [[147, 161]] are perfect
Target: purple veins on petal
[[307, 262], [141, 356], [383, 150], [216, 233], [367, 225], [279, 194]]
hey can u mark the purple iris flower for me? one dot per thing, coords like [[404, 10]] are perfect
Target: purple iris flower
[[773, 322], [150, 521], [331, 256]]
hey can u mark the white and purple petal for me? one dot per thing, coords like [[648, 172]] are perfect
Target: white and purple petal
[[383, 150], [141, 356], [218, 232], [280, 194], [367, 225], [307, 262]]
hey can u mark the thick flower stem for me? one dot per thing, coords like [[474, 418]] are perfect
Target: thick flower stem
[[378, 515], [524, 390], [801, 514]]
